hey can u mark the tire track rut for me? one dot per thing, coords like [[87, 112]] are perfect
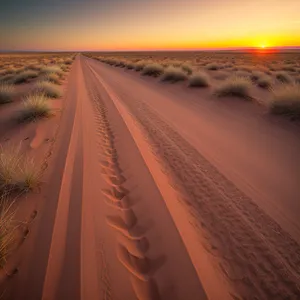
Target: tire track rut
[[132, 242]]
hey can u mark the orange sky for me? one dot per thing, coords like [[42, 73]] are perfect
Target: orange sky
[[149, 24]]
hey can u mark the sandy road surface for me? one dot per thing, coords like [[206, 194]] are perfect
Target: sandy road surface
[[135, 208], [104, 231], [233, 215]]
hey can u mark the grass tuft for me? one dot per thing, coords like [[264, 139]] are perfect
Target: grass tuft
[[234, 86], [35, 106], [7, 92], [17, 172], [24, 76], [49, 89], [199, 79], [173, 74], [154, 70], [286, 100], [284, 77]]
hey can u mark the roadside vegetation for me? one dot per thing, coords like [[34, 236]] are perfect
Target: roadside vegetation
[[286, 100]]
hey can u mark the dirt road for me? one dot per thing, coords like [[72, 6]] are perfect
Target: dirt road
[[152, 197]]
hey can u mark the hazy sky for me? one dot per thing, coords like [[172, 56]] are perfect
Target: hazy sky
[[147, 24]]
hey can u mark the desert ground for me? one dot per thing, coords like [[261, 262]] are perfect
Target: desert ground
[[150, 176]]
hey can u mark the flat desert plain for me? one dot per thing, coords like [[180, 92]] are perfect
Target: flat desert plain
[[150, 175]]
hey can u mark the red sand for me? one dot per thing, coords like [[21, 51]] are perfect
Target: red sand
[[153, 193]]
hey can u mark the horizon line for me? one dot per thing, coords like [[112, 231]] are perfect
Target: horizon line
[[158, 50]]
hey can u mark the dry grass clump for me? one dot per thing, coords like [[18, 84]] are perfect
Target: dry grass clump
[[7, 92], [283, 77], [35, 106], [187, 68], [234, 86], [286, 100], [199, 79], [51, 69], [7, 229], [68, 61], [173, 74], [49, 89], [264, 82], [7, 78], [154, 70], [24, 76], [52, 77], [139, 66], [17, 172], [256, 75], [213, 67]]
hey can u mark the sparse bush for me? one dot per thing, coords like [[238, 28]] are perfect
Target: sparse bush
[[139, 66], [234, 86], [52, 77], [173, 74], [7, 78], [24, 76], [68, 61], [51, 69], [284, 77], [49, 89], [17, 172], [213, 67], [187, 68], [264, 82], [7, 92], [199, 79], [153, 70], [256, 75], [286, 100], [35, 106]]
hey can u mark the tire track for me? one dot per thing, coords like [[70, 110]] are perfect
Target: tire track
[[132, 242], [256, 255]]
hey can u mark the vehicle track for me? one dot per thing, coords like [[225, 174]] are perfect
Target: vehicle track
[[259, 259], [132, 245]]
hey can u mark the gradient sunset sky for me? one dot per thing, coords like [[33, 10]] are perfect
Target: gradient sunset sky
[[147, 24]]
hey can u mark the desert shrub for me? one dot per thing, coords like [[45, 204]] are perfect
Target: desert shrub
[[7, 78], [199, 79], [283, 77], [264, 81], [153, 70], [234, 86], [130, 65], [52, 77], [7, 92], [139, 66], [51, 69], [286, 100], [68, 61], [256, 75], [49, 89], [17, 172], [173, 74], [35, 67], [24, 76], [187, 68], [35, 106], [213, 67]]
